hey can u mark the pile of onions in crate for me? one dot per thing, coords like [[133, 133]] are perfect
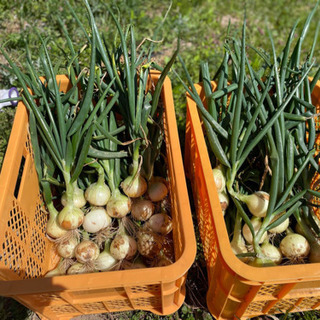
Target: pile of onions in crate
[[99, 153], [260, 126]]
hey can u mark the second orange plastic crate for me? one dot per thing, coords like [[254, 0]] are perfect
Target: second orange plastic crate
[[26, 254], [237, 290]]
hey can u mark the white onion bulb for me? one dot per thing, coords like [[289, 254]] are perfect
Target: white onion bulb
[[149, 243], [219, 179], [105, 261], [294, 246], [70, 217], [271, 252], [281, 227], [257, 203], [256, 223], [98, 194], [134, 187], [79, 200], [118, 205], [96, 219]]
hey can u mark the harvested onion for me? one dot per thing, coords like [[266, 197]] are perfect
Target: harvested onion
[[123, 247], [86, 251], [159, 223], [96, 220], [142, 209], [157, 189], [295, 247]]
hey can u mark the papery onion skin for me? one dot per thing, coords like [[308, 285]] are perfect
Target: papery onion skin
[[105, 261], [281, 227], [79, 200], [160, 223], [219, 179], [96, 219], [98, 194], [53, 229], [149, 243], [157, 190], [66, 248], [123, 247], [294, 246], [118, 205], [70, 217], [134, 187], [86, 251], [271, 252], [256, 223], [257, 203], [77, 268], [142, 209]]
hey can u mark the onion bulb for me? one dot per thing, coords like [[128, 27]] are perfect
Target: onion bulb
[[70, 217], [118, 205], [78, 268], [98, 193], [257, 203], [53, 228], [96, 219], [219, 179], [142, 209], [295, 247], [123, 247], [149, 243], [134, 186], [238, 247], [66, 248], [271, 252], [224, 201], [281, 227], [105, 261], [157, 189], [86, 251], [256, 223], [159, 223], [78, 198]]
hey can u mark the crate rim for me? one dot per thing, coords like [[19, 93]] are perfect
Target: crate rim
[[274, 274]]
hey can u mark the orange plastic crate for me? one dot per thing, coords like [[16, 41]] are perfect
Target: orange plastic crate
[[235, 289], [26, 254]]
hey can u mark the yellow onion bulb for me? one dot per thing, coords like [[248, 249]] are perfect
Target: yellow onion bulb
[[159, 223], [149, 243], [157, 190], [142, 209], [96, 220]]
